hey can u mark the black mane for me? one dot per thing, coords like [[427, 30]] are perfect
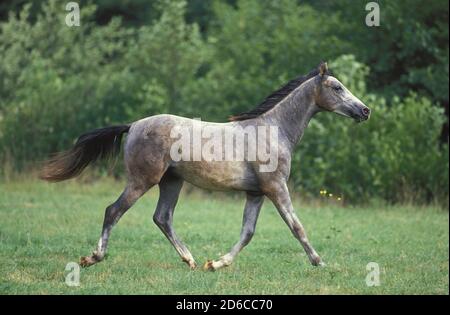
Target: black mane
[[274, 98]]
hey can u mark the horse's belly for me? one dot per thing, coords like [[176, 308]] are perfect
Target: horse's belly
[[217, 175]]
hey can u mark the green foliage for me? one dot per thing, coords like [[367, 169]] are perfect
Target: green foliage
[[408, 51], [58, 82], [256, 48], [167, 55]]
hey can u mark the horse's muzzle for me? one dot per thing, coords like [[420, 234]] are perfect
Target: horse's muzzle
[[365, 112], [360, 112]]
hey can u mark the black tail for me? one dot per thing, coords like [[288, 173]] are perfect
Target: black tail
[[97, 144]]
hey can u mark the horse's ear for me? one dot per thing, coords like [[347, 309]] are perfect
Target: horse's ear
[[323, 68]]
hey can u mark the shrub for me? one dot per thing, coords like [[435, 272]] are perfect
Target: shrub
[[58, 81]]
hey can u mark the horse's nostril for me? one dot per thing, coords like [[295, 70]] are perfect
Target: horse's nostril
[[366, 111]]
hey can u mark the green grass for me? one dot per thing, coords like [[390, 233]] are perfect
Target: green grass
[[43, 227]]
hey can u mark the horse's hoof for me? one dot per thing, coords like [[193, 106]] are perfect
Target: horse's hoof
[[208, 266], [316, 261], [191, 263], [87, 261], [319, 263]]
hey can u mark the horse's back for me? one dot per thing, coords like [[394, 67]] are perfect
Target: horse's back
[[149, 145]]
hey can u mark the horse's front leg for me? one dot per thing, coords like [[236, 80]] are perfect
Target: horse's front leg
[[279, 194], [251, 213]]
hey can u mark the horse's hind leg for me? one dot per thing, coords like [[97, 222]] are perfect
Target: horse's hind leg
[[251, 213], [169, 190], [112, 215]]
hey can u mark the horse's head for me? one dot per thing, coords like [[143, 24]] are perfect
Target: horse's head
[[333, 96]]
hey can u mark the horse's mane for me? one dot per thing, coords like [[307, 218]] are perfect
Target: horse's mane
[[275, 98]]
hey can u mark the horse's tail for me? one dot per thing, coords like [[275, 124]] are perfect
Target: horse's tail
[[91, 146]]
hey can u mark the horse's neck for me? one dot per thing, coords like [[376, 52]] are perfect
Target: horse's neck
[[293, 114]]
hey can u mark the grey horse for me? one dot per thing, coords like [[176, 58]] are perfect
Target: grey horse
[[149, 161]]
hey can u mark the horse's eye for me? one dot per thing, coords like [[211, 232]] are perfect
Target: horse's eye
[[337, 88]]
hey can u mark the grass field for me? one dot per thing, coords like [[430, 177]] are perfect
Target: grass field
[[43, 227]]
